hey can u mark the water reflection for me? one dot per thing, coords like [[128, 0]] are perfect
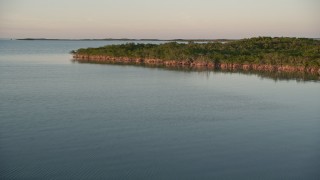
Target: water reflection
[[276, 76]]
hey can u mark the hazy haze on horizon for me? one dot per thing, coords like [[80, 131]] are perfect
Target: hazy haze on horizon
[[163, 19]]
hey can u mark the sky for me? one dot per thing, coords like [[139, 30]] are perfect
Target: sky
[[161, 19]]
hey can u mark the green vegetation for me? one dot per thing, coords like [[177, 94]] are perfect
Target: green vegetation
[[260, 50]]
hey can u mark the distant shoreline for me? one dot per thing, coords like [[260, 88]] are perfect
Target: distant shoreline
[[126, 39]]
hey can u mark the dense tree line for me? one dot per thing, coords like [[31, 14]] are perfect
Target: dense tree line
[[260, 50]]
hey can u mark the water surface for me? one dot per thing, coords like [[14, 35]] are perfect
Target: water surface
[[64, 120]]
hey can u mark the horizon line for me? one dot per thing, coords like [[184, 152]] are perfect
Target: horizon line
[[154, 39]]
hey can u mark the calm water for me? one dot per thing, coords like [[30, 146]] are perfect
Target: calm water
[[64, 120]]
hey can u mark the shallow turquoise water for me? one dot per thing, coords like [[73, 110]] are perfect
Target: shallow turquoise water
[[64, 120]]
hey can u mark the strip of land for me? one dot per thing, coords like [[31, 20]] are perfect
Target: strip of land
[[260, 54], [127, 39]]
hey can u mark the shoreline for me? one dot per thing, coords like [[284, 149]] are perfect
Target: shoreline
[[103, 59], [126, 39]]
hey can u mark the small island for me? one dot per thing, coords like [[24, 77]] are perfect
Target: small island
[[278, 54]]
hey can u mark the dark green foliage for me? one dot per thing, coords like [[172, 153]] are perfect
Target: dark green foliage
[[260, 50]]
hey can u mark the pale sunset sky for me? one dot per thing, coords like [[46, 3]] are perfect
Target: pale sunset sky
[[162, 19]]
